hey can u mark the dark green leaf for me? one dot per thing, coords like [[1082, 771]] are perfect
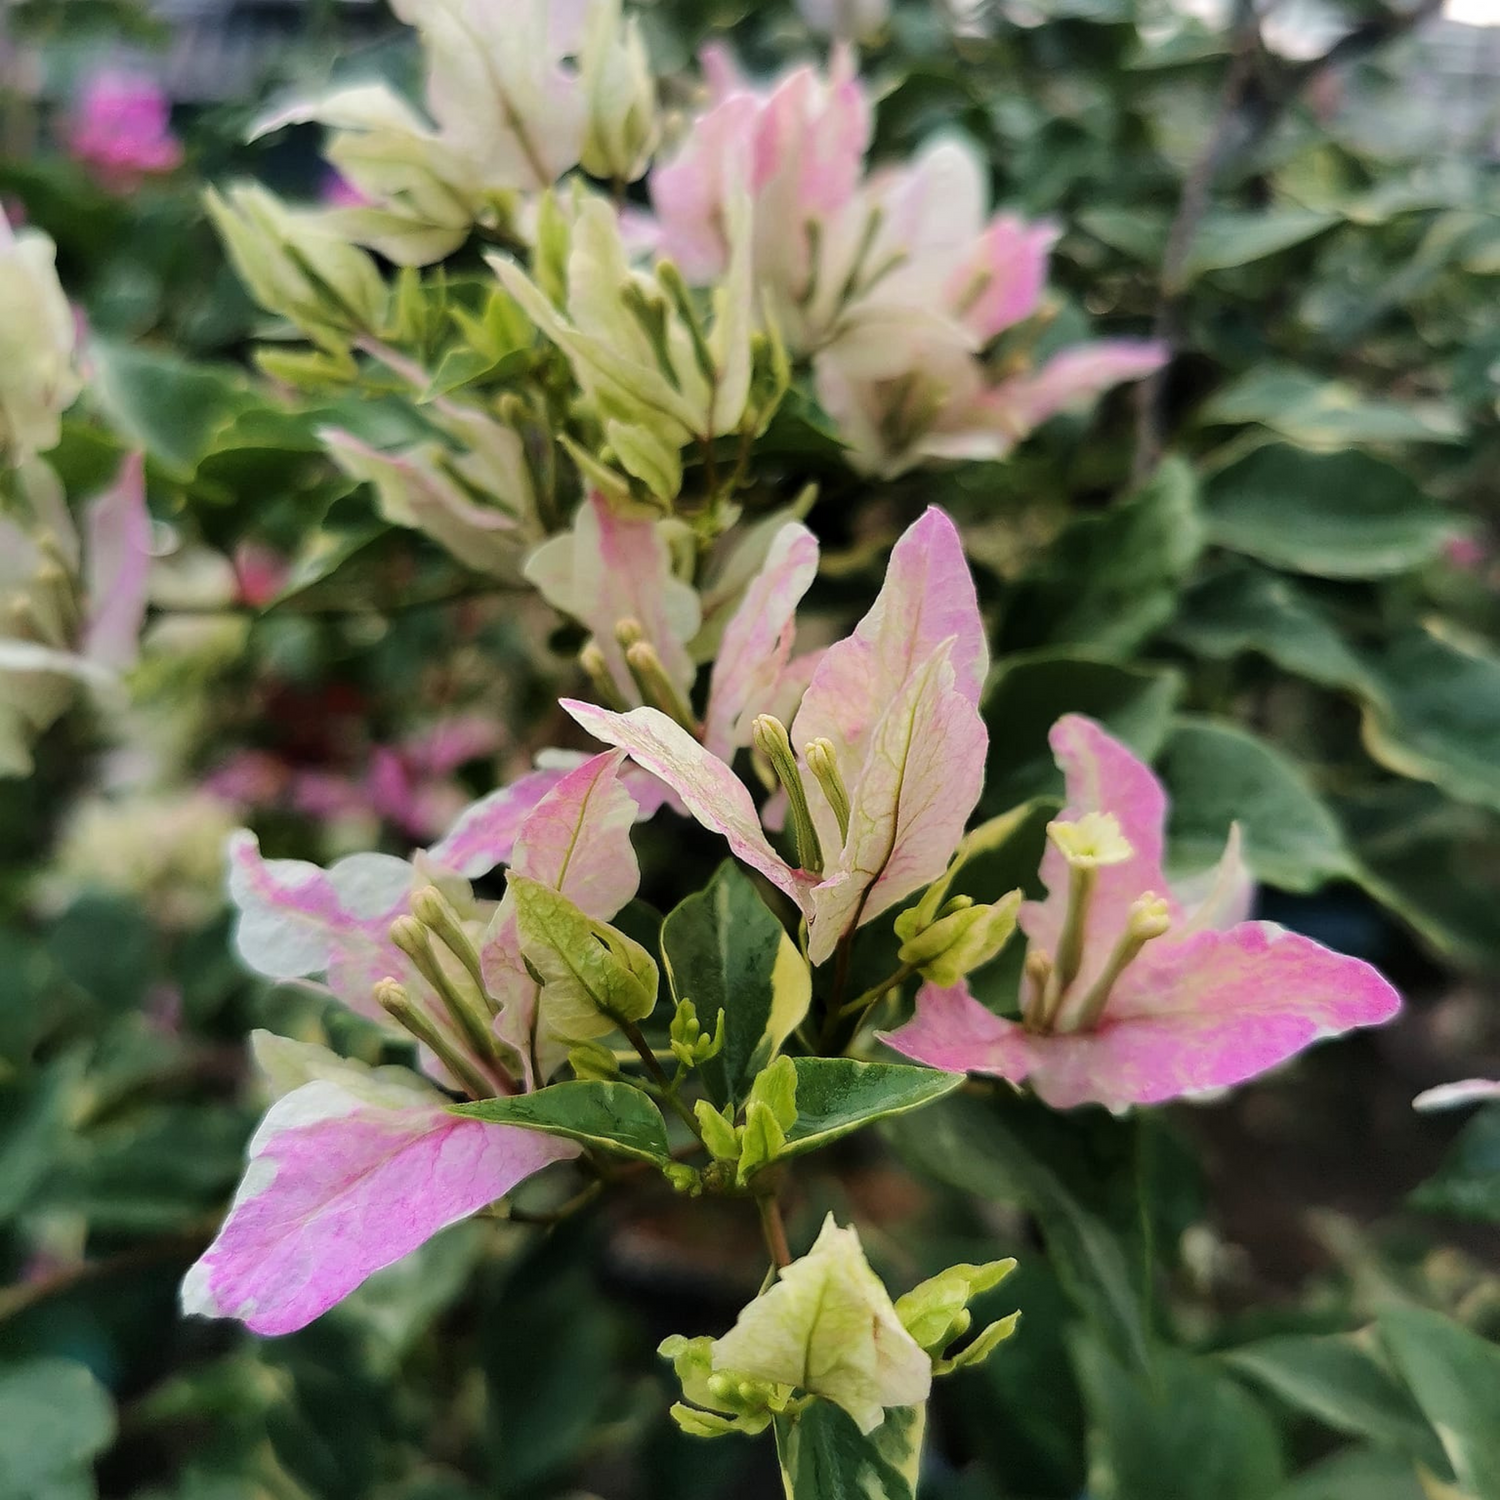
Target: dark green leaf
[[966, 1143], [1111, 579], [1033, 692], [1358, 1474], [824, 1456], [615, 1117], [1323, 414], [1218, 775], [1437, 716], [1181, 1432], [1467, 1185], [1455, 1376], [1335, 515], [1331, 1378], [724, 951], [54, 1417], [1247, 609], [837, 1096]]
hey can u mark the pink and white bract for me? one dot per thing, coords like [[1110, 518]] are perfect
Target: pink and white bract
[[893, 281], [897, 702], [1204, 1004], [353, 1168]]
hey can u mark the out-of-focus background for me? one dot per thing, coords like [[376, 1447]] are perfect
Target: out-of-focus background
[[1338, 328]]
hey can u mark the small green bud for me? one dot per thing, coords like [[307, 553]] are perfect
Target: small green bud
[[762, 1142], [719, 1134], [684, 1179], [964, 938], [769, 736], [776, 1087], [722, 1401]]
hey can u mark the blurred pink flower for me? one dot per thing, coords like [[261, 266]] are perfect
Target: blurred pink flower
[[408, 785], [119, 130], [260, 574]]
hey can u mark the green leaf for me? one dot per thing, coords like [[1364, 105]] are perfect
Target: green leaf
[[614, 1117], [824, 1456], [1245, 609], [1428, 859], [1455, 1376], [1437, 715], [1112, 578], [34, 1131], [1225, 238], [1357, 1474], [1217, 775], [1234, 237], [1334, 1380], [1183, 1432], [1328, 414], [1334, 515], [54, 1417], [966, 1143], [837, 1096], [1467, 1185], [174, 410], [1032, 692], [725, 951]]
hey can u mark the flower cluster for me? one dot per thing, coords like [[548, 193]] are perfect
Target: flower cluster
[[515, 1007]]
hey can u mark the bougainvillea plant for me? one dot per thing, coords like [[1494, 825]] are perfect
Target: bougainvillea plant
[[615, 360]]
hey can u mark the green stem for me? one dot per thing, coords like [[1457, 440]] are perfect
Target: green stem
[[658, 1073], [862, 1003]]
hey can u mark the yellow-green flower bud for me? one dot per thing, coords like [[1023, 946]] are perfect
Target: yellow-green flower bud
[[962, 940]]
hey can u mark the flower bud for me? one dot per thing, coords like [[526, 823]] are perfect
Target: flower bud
[[38, 381], [619, 96], [295, 265], [721, 1402], [962, 940]]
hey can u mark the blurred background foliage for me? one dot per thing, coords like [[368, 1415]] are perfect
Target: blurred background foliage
[[1283, 1297]]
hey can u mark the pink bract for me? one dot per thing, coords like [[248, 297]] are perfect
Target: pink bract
[[898, 701], [1200, 1009]]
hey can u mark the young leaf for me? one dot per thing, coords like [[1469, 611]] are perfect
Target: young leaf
[[824, 1456], [725, 952], [614, 1117], [837, 1096]]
